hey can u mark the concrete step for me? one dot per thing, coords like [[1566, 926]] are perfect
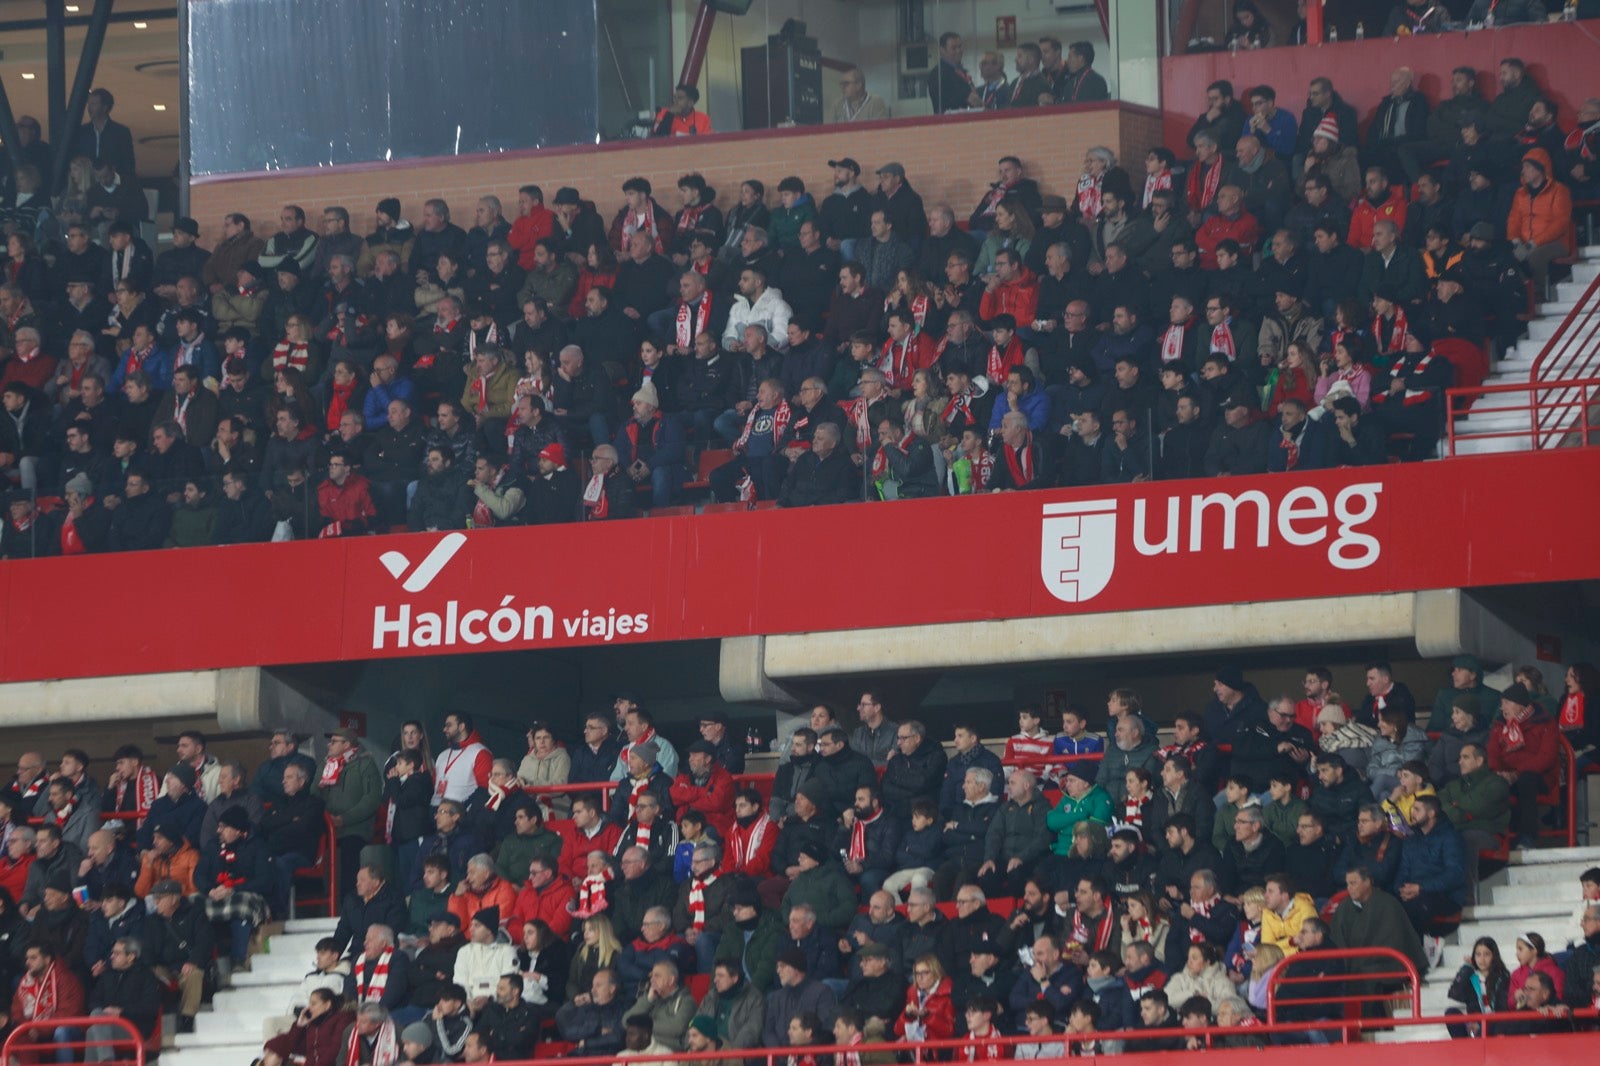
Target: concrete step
[[1552, 893], [1588, 856], [1412, 1034], [257, 980], [311, 926], [1494, 446], [1585, 271], [1541, 873], [1556, 934], [1520, 907], [219, 1055]]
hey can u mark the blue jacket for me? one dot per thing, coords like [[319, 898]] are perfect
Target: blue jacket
[[186, 814], [206, 360], [461, 846], [157, 367], [1034, 404], [979, 758], [1087, 743], [667, 434], [375, 408], [1433, 862]]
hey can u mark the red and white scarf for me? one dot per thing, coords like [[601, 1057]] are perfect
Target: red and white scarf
[[957, 413], [480, 389], [333, 768], [692, 320], [1203, 185], [481, 515], [1203, 910], [594, 497], [1222, 339], [39, 995], [982, 470], [1397, 333], [1154, 183], [65, 813], [644, 221], [857, 410], [1515, 738], [858, 838], [1172, 342], [1098, 939], [286, 354], [780, 423], [385, 1048], [880, 462], [1020, 462], [895, 361], [640, 787], [627, 749], [641, 832], [747, 841], [1405, 368], [137, 356], [592, 893], [370, 989], [1000, 363], [1133, 810], [1572, 711], [146, 787], [697, 899], [1088, 196], [186, 353], [491, 339]]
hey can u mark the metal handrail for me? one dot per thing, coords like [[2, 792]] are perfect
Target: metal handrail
[[1278, 978], [1588, 305], [1548, 415], [12, 1050]]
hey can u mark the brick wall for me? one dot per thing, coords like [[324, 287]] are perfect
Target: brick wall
[[949, 160]]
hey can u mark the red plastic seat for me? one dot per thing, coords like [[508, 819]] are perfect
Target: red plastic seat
[[698, 985], [323, 870], [710, 459]]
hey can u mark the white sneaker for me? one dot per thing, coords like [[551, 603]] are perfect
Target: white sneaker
[[1433, 947]]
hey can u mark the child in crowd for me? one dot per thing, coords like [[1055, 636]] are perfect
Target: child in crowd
[[1283, 811], [918, 852]]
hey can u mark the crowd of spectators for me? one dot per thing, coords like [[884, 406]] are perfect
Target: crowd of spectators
[[1102, 882], [1296, 295]]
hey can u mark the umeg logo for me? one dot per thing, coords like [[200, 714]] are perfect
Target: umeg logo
[[1078, 540], [430, 566], [1078, 548]]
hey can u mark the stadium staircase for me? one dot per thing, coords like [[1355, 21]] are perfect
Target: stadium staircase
[[1537, 892], [229, 1033], [1546, 385]]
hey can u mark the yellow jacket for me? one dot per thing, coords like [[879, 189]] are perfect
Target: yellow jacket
[[1280, 930]]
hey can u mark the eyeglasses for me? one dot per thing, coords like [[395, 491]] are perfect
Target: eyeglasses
[[922, 973]]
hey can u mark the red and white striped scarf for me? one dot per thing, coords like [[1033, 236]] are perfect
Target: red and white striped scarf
[[1100, 938], [880, 462], [639, 788], [1000, 363], [747, 841], [289, 354], [858, 838], [594, 497], [697, 899], [1154, 183], [895, 361], [333, 768], [1172, 343], [1222, 339], [641, 832], [39, 995], [61, 816], [370, 989], [1202, 909], [385, 1048], [645, 221], [1413, 396], [592, 892], [1020, 462], [1397, 334], [780, 423], [1133, 810], [857, 411], [692, 320]]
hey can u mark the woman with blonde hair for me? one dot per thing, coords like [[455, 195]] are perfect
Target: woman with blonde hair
[[930, 1013], [1267, 958], [601, 949]]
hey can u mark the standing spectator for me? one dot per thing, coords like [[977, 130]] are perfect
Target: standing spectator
[[950, 88]]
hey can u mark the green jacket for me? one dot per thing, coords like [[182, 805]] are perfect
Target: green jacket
[[1485, 704], [1222, 828], [1280, 819], [784, 228], [1481, 801], [828, 890], [1095, 806], [425, 906], [739, 1019], [512, 855], [356, 796], [1380, 922], [756, 950]]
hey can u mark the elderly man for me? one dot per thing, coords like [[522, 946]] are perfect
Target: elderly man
[[593, 1020], [641, 889], [797, 992], [482, 888], [126, 990], [650, 448], [915, 771], [351, 787], [667, 1004], [1130, 749], [1251, 855], [178, 944], [1372, 918], [1017, 837]]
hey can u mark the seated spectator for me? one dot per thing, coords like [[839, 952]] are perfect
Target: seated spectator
[[592, 1020], [1523, 751]]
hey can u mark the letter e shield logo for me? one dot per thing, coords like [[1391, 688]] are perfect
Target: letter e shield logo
[[1078, 548]]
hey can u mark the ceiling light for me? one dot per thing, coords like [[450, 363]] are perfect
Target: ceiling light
[[72, 9], [141, 25], [28, 77], [159, 107]]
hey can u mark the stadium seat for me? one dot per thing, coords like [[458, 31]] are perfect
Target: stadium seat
[[709, 460], [322, 870], [698, 984]]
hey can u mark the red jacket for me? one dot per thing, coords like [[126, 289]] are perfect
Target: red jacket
[[14, 874], [549, 906], [34, 373], [1364, 215], [501, 894], [575, 847], [69, 999], [900, 362], [1218, 228], [758, 864], [528, 230], [940, 1009], [714, 799], [1018, 298], [346, 509], [1539, 753]]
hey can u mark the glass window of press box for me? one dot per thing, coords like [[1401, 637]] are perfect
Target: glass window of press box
[[404, 79]]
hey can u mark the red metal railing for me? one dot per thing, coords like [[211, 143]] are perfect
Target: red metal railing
[[1573, 350], [1405, 970], [36, 1042], [1549, 412]]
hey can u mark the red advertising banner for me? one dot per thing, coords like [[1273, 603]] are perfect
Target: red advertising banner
[[1117, 548]]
